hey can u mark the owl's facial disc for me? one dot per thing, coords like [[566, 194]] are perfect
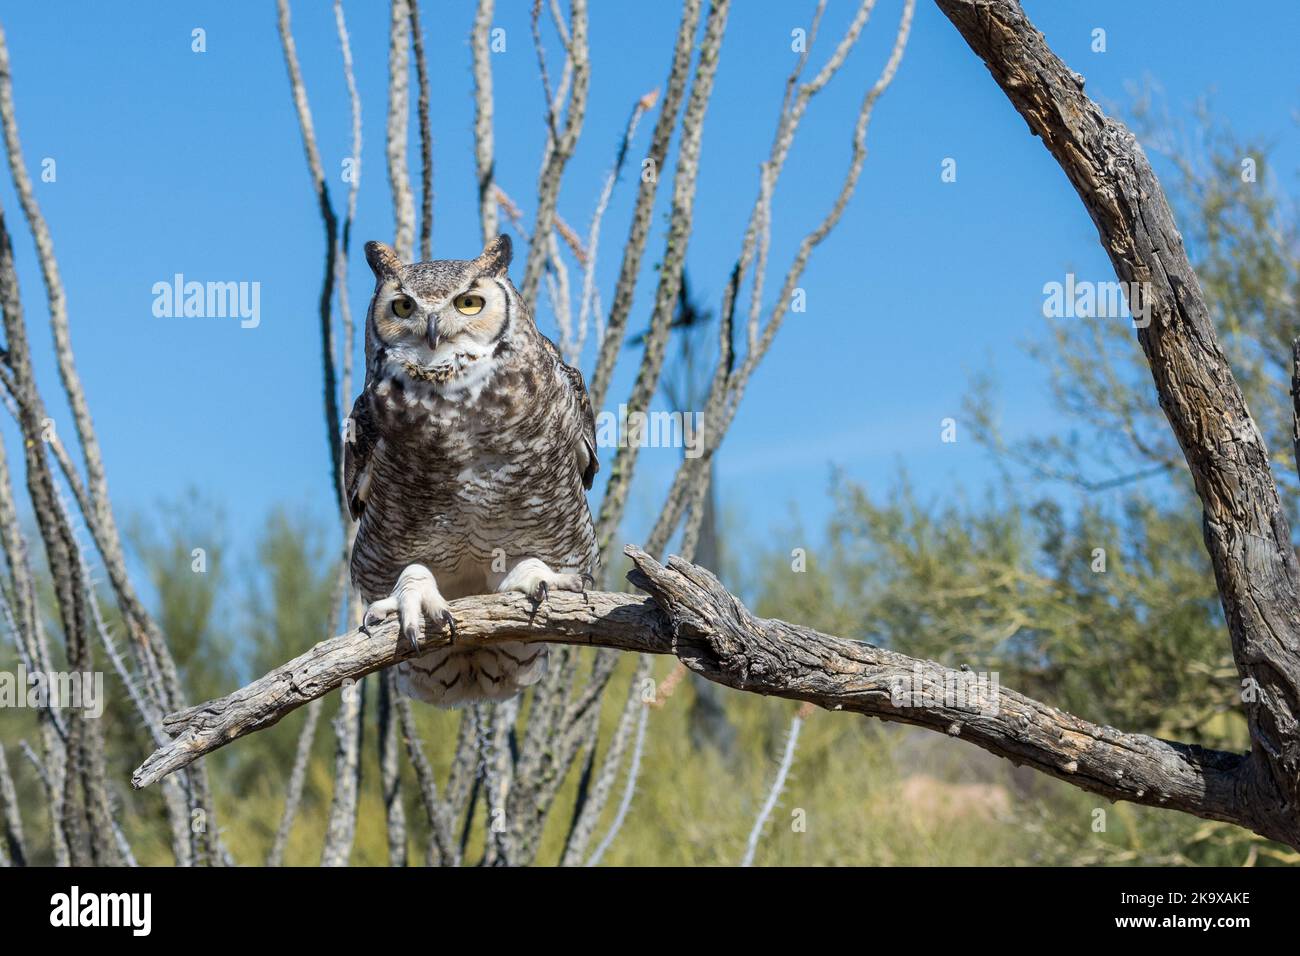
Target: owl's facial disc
[[450, 344]]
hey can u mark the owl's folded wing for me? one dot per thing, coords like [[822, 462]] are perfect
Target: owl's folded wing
[[592, 464], [360, 438], [586, 450]]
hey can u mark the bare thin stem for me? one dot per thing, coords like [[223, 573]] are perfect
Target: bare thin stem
[[399, 120], [594, 805], [340, 830], [426, 135], [483, 148], [297, 780], [390, 770], [13, 846], [670, 270], [588, 303], [774, 794], [330, 222], [633, 250], [629, 788], [560, 146]]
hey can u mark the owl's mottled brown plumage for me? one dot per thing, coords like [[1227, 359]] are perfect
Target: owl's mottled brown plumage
[[469, 453]]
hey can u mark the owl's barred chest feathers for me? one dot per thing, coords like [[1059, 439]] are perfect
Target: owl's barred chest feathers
[[466, 465], [467, 484]]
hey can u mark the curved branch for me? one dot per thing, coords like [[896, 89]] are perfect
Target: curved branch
[[691, 616], [1245, 527]]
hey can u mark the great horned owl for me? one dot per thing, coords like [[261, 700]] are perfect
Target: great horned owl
[[466, 464]]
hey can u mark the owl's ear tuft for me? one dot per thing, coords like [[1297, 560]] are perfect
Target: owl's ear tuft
[[383, 261], [494, 260]]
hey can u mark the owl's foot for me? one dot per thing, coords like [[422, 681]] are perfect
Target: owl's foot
[[414, 597], [534, 578]]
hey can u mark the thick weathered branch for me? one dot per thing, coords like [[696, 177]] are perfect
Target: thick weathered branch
[[691, 616], [1245, 526]]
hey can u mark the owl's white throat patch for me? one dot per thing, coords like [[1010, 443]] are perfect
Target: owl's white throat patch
[[450, 369]]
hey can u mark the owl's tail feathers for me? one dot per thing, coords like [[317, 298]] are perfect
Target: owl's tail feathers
[[454, 676]]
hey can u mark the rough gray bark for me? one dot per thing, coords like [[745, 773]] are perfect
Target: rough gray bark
[[1245, 526], [34, 652], [692, 617]]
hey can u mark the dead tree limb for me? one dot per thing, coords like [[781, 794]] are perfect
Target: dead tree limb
[[691, 616], [1246, 529]]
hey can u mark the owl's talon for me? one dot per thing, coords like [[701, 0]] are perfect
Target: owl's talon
[[416, 599], [412, 633], [449, 623], [533, 578], [377, 611]]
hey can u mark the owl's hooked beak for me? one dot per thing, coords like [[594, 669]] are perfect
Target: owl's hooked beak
[[434, 336]]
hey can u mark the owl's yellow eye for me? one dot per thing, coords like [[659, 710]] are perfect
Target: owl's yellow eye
[[469, 304], [403, 306]]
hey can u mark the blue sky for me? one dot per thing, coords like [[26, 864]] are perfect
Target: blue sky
[[170, 161]]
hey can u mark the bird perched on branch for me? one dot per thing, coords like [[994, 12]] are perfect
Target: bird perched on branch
[[466, 461]]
